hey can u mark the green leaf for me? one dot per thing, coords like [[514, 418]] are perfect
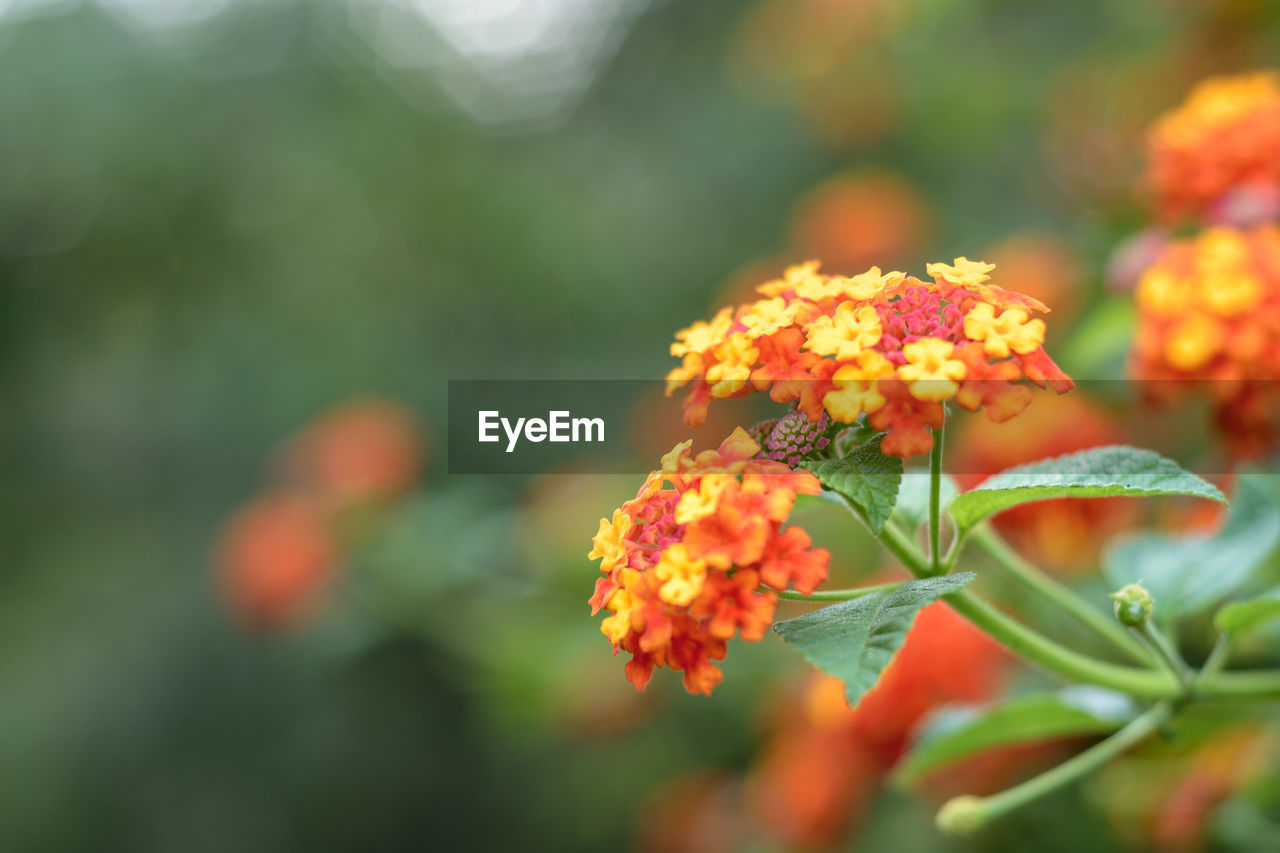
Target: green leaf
[[957, 733], [1188, 573], [1240, 617], [1100, 472], [912, 508], [866, 478], [855, 640]]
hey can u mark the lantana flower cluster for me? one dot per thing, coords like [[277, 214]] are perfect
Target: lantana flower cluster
[[1221, 142], [697, 556], [1209, 310], [887, 345], [1209, 305]]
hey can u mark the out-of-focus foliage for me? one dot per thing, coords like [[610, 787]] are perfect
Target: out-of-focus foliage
[[213, 232]]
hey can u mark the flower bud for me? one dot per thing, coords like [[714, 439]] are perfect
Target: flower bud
[[1133, 605], [761, 432], [795, 436], [961, 815]]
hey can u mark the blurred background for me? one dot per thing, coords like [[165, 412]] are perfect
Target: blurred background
[[245, 243]]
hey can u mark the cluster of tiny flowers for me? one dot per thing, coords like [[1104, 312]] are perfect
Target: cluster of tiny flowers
[[887, 345], [697, 557], [1218, 150], [1209, 309]]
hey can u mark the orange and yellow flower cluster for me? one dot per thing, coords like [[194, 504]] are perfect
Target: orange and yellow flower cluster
[[887, 345], [1224, 138], [1209, 309], [697, 556]]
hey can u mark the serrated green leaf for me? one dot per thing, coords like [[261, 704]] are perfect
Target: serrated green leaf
[[1188, 573], [855, 640], [961, 732], [866, 478], [1099, 472], [912, 508], [1240, 617]]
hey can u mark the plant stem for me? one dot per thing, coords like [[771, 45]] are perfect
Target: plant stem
[[953, 554], [935, 500], [1217, 659], [1046, 653], [837, 594], [968, 814], [1098, 621], [1168, 655], [901, 546], [1031, 644], [1251, 684]]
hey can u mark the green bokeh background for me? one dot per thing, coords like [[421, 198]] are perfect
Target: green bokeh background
[[208, 235]]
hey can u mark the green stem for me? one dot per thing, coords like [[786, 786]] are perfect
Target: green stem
[[1168, 655], [1249, 684], [837, 594], [901, 546], [1044, 652], [935, 500], [968, 814], [1217, 659], [953, 554], [1098, 621], [1031, 644]]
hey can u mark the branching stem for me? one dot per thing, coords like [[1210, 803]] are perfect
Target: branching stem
[[1099, 621], [1167, 655]]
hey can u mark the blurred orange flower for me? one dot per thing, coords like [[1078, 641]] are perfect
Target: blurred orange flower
[[275, 558], [691, 814], [1225, 135], [364, 450], [1218, 769], [279, 552], [1164, 797], [810, 785], [1209, 311], [1041, 265], [860, 218], [815, 778]]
